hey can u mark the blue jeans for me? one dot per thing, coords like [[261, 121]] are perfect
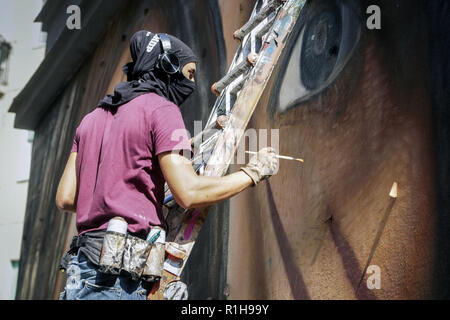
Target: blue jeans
[[85, 282]]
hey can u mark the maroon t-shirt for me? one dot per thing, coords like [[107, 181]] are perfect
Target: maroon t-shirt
[[117, 163]]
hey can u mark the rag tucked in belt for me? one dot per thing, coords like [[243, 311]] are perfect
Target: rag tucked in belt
[[89, 243]]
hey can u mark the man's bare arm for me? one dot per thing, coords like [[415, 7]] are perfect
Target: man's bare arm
[[191, 190], [66, 194]]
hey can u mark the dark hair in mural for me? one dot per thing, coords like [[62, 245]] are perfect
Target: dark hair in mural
[[438, 13]]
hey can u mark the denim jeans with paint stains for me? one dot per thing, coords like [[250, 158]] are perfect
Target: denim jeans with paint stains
[[85, 282]]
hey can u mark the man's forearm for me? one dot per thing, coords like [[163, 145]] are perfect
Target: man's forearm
[[66, 193], [191, 190], [210, 190]]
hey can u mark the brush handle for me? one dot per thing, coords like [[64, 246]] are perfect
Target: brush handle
[[278, 156]]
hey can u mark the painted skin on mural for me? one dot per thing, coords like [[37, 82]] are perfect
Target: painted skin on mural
[[353, 104]]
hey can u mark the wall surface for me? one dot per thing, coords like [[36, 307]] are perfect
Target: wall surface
[[308, 232], [17, 27], [361, 122]]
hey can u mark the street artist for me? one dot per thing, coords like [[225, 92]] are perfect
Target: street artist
[[123, 153]]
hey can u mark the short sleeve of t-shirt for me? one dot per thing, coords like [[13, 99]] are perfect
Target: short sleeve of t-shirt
[[76, 140], [168, 130]]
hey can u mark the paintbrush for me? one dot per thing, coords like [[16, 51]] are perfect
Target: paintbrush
[[392, 196], [280, 156]]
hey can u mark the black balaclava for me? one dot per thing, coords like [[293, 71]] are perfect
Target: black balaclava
[[143, 77]]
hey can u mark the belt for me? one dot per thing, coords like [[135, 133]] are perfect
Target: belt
[[77, 242]]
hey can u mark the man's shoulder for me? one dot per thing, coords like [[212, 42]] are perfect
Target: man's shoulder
[[91, 117], [94, 113], [153, 102]]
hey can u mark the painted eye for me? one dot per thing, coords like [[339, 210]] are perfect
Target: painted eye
[[320, 48], [324, 40]]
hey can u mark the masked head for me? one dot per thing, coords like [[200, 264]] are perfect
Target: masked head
[[145, 49]]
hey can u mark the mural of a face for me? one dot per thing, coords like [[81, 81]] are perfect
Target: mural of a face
[[353, 103]]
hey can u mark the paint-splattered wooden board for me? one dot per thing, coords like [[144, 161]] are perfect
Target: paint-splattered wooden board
[[184, 227]]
